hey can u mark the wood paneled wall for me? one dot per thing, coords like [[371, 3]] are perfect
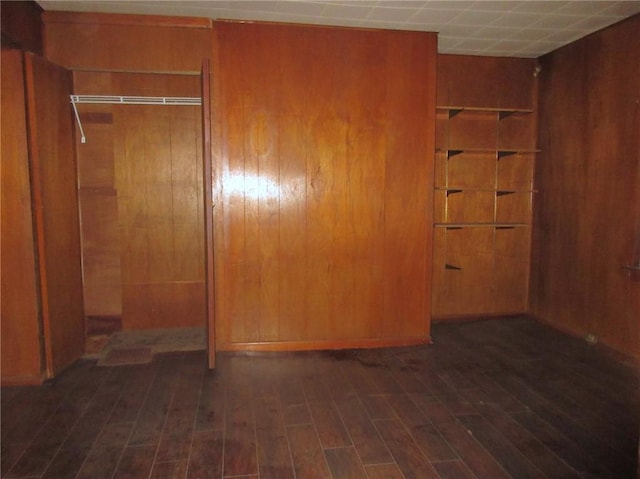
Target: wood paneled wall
[[126, 42], [324, 176], [19, 315], [140, 177], [587, 213], [22, 26], [496, 82]]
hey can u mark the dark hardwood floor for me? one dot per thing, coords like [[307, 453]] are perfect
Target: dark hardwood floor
[[505, 398]]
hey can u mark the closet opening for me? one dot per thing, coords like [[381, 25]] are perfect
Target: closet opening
[[141, 186]]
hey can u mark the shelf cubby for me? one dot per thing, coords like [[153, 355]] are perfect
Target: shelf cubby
[[485, 159]]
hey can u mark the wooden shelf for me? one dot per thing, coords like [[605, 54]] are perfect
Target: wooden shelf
[[501, 152], [502, 112], [481, 225], [456, 189]]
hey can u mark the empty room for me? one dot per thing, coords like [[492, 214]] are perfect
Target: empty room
[[320, 239]]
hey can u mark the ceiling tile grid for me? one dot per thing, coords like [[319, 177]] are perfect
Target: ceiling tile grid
[[473, 27]]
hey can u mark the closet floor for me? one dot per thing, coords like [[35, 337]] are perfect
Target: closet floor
[[138, 347], [506, 398]]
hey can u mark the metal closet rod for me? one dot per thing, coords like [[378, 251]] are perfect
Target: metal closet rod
[[129, 100]]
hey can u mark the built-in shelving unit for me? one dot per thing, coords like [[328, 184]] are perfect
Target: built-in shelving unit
[[483, 193]]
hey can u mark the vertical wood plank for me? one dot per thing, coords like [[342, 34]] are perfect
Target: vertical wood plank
[[407, 237]]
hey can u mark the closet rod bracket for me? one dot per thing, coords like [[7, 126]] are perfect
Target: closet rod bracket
[[128, 100]]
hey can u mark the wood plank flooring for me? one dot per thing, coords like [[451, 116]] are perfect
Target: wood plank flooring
[[499, 398]]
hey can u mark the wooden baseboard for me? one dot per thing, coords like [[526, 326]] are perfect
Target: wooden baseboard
[[473, 317], [281, 346], [617, 355], [21, 381]]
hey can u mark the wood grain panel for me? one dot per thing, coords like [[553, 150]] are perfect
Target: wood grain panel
[[100, 252], [472, 251], [21, 25], [515, 172], [470, 207], [20, 316], [513, 207], [126, 42], [586, 217], [473, 129], [315, 243], [141, 183], [408, 184], [494, 81], [470, 170], [158, 181], [54, 182], [511, 268], [517, 132]]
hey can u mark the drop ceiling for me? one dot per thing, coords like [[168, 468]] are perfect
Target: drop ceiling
[[481, 27]]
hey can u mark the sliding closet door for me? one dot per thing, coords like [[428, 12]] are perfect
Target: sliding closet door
[[55, 207]]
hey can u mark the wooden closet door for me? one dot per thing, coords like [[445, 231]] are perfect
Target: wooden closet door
[[55, 207], [20, 346]]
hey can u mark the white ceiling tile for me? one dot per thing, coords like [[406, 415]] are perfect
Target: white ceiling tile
[[433, 16], [493, 5], [366, 23], [402, 3], [539, 6], [390, 14], [557, 21], [512, 44], [496, 33], [585, 7], [354, 3], [595, 23], [300, 8], [514, 19], [345, 12], [448, 4], [531, 34], [624, 9], [455, 30], [477, 43], [474, 17], [254, 5]]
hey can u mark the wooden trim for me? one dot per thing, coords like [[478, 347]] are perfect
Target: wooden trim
[[325, 344], [443, 318], [186, 73], [619, 356], [218, 153], [21, 25], [126, 19], [22, 381], [208, 212]]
